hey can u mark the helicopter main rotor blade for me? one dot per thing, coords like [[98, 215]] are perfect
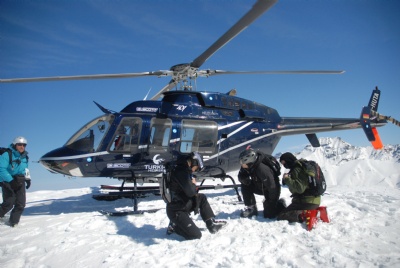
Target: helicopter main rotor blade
[[207, 73], [168, 87], [85, 77], [257, 10]]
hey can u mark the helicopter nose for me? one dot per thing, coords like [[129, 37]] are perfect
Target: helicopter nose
[[61, 161]]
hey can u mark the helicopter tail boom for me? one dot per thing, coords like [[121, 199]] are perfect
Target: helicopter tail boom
[[369, 120]]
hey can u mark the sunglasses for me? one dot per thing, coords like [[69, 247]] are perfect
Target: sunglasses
[[21, 144]]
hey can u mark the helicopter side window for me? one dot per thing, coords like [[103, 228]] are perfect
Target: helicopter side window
[[88, 138], [160, 133], [198, 136], [127, 135]]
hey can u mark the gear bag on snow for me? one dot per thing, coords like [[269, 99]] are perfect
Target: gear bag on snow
[[272, 163], [316, 179]]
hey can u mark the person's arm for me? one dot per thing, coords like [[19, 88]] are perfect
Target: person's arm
[[267, 177], [296, 180], [244, 177]]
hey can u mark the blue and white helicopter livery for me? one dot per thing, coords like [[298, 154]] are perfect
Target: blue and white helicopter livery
[[136, 142]]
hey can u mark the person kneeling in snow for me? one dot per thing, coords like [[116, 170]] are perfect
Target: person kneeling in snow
[[258, 178], [297, 181], [185, 200]]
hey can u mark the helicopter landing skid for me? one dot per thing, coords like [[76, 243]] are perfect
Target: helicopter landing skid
[[222, 177], [134, 193]]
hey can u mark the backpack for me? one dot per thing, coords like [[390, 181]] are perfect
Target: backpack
[[165, 183], [316, 179], [3, 150], [271, 162]]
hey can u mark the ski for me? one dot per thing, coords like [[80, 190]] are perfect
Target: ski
[[125, 213]]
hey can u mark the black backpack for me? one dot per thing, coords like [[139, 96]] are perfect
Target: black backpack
[[316, 179], [271, 162], [165, 183], [3, 150]]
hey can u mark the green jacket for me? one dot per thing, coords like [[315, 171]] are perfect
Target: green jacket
[[298, 183]]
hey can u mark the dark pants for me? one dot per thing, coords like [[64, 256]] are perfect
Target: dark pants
[[13, 199], [181, 218], [271, 205], [293, 211]]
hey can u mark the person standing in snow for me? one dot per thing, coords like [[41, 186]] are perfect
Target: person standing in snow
[[185, 200], [14, 174], [297, 181], [258, 178]]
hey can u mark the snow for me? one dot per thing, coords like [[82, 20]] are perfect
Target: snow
[[63, 228]]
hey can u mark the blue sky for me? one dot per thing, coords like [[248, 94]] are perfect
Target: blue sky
[[57, 38]]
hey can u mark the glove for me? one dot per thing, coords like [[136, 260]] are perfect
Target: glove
[[17, 182], [28, 183], [284, 178]]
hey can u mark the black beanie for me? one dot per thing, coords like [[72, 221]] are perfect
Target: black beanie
[[289, 158]]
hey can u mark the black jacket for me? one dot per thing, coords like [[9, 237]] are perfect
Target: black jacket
[[262, 177], [182, 189]]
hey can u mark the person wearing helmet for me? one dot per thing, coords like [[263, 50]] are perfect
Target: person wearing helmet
[[185, 200], [256, 177], [14, 174], [297, 181]]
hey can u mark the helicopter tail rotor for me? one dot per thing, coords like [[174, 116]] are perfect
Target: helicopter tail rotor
[[369, 113]]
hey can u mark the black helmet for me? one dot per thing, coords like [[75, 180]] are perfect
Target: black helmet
[[248, 156]]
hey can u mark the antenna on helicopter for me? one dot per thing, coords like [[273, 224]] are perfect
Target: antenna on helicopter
[[145, 97]]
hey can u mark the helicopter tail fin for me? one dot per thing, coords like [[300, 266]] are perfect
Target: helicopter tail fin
[[367, 116]]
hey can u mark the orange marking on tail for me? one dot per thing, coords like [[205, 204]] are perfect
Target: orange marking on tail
[[378, 142]]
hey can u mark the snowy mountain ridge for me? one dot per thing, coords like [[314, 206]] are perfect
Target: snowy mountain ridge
[[337, 151], [344, 164]]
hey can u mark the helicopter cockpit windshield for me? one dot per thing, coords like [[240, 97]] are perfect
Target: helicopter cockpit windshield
[[89, 137]]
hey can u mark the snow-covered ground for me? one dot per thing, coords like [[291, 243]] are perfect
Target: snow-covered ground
[[64, 228]]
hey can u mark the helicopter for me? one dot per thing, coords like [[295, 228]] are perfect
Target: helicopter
[[136, 142]]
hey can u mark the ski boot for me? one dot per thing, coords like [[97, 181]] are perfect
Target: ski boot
[[249, 212], [170, 228], [309, 217], [215, 225]]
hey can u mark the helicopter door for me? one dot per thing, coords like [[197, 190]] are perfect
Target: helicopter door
[[127, 136], [200, 136], [160, 135]]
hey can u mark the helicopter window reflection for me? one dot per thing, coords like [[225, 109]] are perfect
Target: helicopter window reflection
[[127, 135], [88, 138], [198, 136], [160, 133]]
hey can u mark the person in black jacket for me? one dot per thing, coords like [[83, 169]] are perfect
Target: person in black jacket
[[258, 178], [185, 200]]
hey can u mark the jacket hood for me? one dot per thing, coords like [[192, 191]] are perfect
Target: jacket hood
[[290, 160]]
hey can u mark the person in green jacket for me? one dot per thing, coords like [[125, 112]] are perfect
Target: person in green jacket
[[297, 181]]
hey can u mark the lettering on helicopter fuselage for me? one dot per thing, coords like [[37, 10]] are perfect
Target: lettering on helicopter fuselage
[[118, 165], [374, 101], [181, 107], [154, 168], [209, 113], [146, 109]]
